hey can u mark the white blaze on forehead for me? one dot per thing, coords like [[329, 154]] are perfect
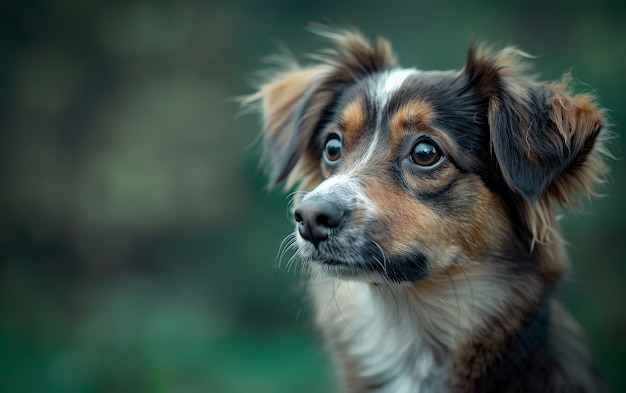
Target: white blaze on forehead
[[384, 87], [389, 83]]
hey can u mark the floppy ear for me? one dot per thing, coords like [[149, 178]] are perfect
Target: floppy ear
[[542, 136], [298, 102], [286, 131]]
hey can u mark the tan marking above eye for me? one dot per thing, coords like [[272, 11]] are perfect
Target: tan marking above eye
[[416, 117], [414, 114], [353, 119]]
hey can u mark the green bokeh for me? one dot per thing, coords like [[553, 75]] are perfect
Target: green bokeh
[[137, 241]]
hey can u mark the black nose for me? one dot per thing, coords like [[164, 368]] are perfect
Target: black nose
[[316, 217]]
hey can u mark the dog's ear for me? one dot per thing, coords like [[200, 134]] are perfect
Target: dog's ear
[[298, 102], [541, 135], [286, 130]]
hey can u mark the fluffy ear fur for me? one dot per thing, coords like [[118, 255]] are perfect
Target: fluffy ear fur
[[286, 130], [543, 137], [298, 102]]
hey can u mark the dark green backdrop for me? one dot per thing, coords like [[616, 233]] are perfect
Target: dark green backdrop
[[137, 243]]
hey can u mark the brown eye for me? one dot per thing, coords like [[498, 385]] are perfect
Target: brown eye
[[426, 154], [332, 150]]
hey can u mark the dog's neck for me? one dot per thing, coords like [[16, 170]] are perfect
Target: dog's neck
[[379, 339], [399, 338]]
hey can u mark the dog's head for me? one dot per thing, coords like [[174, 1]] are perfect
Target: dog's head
[[412, 173]]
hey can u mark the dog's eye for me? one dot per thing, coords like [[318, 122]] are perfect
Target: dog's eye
[[332, 150], [426, 154]]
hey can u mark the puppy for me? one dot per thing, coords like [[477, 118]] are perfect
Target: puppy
[[427, 219]]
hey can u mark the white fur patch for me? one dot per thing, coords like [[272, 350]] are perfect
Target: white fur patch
[[383, 334], [390, 346], [345, 189], [382, 89], [388, 84], [405, 336], [331, 183]]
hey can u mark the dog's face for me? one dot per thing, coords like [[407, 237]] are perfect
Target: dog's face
[[400, 196], [413, 174]]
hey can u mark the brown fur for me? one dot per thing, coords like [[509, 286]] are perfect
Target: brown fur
[[415, 115], [482, 221], [353, 118]]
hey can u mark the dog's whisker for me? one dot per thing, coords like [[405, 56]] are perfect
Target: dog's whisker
[[382, 253], [338, 304], [284, 247], [291, 262], [471, 290], [456, 296], [293, 195]]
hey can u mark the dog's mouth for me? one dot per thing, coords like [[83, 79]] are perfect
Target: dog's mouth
[[332, 262], [338, 257], [331, 259], [349, 271], [364, 261]]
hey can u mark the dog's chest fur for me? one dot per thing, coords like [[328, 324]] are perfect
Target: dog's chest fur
[[389, 344]]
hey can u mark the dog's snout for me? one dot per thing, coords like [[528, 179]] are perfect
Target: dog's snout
[[316, 217]]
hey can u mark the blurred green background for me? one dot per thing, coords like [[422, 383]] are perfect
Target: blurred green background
[[137, 242]]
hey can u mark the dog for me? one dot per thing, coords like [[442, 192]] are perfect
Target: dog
[[426, 215]]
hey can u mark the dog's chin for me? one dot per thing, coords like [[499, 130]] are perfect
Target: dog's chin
[[333, 259], [347, 271], [357, 264]]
